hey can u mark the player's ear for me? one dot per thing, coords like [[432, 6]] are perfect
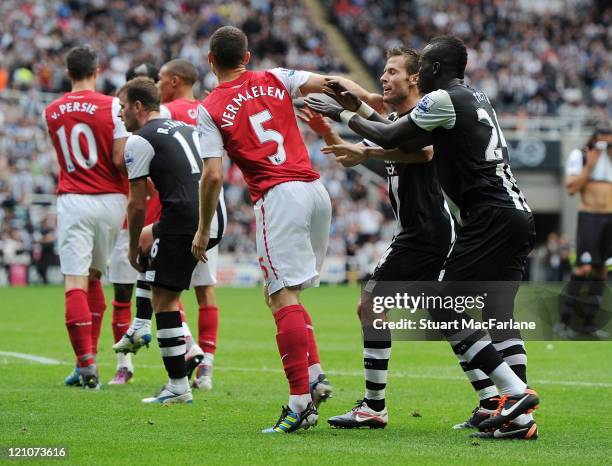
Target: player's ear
[[435, 67], [413, 79], [211, 58], [247, 58]]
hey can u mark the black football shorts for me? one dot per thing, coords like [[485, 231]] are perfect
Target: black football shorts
[[492, 245], [593, 239], [171, 263]]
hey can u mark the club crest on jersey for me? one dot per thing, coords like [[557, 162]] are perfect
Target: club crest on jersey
[[424, 104], [193, 113]]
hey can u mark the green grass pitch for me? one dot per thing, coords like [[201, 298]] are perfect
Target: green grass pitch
[[426, 395]]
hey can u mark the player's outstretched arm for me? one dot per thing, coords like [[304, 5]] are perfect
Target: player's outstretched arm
[[136, 211], [210, 188], [319, 124], [317, 83], [402, 134], [352, 102], [350, 155]]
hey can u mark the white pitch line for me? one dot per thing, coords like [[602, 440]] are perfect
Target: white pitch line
[[31, 357], [393, 374]]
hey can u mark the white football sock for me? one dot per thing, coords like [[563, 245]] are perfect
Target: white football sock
[[178, 386], [298, 403], [313, 372], [125, 360]]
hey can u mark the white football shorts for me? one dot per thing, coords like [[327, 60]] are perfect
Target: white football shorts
[[293, 221], [88, 226], [119, 269], [205, 273]]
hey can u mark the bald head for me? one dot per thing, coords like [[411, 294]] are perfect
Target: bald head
[[176, 80], [182, 69]]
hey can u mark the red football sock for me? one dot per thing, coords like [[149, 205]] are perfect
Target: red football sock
[[313, 351], [97, 306], [122, 317], [208, 323], [78, 323], [292, 340]]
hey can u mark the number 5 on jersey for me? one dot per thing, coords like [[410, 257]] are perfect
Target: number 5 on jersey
[[267, 135]]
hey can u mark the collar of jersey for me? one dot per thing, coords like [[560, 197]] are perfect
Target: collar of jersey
[[239, 80], [84, 91]]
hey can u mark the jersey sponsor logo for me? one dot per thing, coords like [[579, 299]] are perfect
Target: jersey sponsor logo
[[424, 104], [391, 170]]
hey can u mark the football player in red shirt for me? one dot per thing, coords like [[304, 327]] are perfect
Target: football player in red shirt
[[89, 138], [176, 80], [250, 117]]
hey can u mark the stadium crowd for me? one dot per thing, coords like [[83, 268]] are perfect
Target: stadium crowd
[[36, 35], [541, 57], [33, 42]]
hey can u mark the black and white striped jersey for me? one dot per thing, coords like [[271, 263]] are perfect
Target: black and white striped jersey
[[168, 151], [471, 153], [423, 218]]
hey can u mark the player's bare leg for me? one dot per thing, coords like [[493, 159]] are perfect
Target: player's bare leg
[[171, 339]]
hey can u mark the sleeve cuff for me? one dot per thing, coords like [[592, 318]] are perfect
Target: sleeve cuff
[[346, 115], [215, 154], [365, 111]]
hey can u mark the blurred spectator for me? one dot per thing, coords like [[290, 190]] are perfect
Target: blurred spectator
[[36, 35], [43, 253], [557, 258], [538, 56]]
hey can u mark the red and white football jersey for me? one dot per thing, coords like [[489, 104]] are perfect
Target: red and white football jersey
[[184, 110], [83, 126], [253, 121]]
